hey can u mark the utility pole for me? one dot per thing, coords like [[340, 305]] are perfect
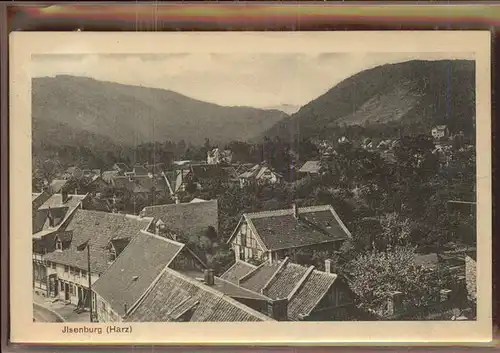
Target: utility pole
[[90, 283]]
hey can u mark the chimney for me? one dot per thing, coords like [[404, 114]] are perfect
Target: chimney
[[209, 277], [295, 211], [394, 303], [328, 266], [50, 217], [65, 196], [278, 309]]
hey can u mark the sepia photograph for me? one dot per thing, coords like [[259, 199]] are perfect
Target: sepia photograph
[[213, 186]]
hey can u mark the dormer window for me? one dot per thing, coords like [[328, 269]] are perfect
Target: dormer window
[[111, 254], [59, 245]]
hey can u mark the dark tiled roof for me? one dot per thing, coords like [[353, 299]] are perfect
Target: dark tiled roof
[[257, 279], [235, 291], [168, 296], [310, 294], [139, 183], [145, 257], [304, 287], [311, 167], [187, 218], [285, 281], [59, 210], [280, 230], [238, 270], [99, 228]]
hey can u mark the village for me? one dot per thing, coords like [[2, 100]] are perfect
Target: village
[[202, 240]]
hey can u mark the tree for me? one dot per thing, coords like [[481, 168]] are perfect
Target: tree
[[374, 275]]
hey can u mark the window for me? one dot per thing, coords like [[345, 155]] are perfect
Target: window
[[66, 269], [53, 265], [243, 240], [84, 274]]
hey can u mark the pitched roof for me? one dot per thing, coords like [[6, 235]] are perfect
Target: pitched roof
[[108, 175], [304, 287], [139, 183], [427, 260], [279, 229], [235, 291], [56, 185], [187, 218], [61, 212], [99, 228], [174, 294], [135, 269], [238, 270], [311, 167]]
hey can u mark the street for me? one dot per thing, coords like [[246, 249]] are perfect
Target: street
[[40, 314]]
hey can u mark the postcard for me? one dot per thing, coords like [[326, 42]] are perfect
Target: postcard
[[238, 187]]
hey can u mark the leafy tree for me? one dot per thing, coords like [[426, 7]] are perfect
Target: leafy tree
[[374, 275]]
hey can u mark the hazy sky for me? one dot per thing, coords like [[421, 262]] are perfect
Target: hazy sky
[[258, 80]]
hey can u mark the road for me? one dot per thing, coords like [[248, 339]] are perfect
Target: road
[[40, 314]]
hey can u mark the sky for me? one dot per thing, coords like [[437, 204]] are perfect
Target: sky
[[258, 80]]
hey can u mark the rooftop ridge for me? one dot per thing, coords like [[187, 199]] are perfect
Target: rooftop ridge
[[168, 240], [249, 274], [278, 271], [181, 204], [242, 288], [286, 211], [219, 294], [301, 282]]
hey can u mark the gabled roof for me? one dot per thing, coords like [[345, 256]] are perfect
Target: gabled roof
[[139, 183], [135, 269], [99, 228], [108, 175], [238, 270], [187, 218], [279, 229], [174, 294], [311, 167], [303, 287], [57, 209], [257, 172], [56, 185]]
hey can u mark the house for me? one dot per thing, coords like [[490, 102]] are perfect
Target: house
[[73, 172], [273, 235], [217, 156], [108, 175], [184, 218], [141, 185], [51, 214], [98, 235], [261, 175], [139, 265], [304, 292], [121, 168], [197, 174], [440, 131], [175, 297], [311, 168]]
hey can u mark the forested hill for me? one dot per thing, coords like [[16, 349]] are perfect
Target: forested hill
[[413, 95], [130, 115]]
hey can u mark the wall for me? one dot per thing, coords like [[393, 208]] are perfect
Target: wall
[[245, 244], [104, 312], [74, 278], [187, 262]]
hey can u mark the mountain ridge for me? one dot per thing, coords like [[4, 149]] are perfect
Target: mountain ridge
[[415, 94], [132, 115]]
